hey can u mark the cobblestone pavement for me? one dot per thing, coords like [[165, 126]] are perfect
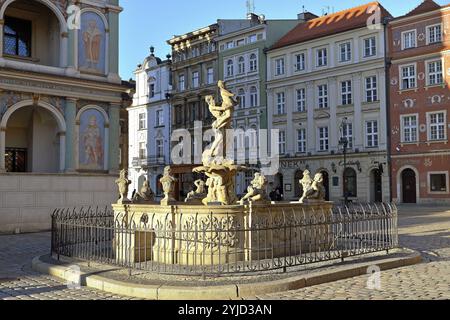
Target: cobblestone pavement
[[425, 229], [422, 228], [19, 282]]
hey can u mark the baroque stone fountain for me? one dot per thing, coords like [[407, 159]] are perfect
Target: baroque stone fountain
[[212, 206]]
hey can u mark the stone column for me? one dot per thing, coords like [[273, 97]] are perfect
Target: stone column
[[70, 115], [2, 149], [114, 136], [112, 56], [62, 151]]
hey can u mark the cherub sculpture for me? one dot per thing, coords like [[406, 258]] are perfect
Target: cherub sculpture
[[123, 184], [316, 191], [199, 194], [168, 182], [305, 183], [146, 194], [256, 192]]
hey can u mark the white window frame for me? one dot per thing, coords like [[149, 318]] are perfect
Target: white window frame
[[347, 53], [300, 95], [409, 76], [301, 140], [322, 96], [409, 127], [372, 48], [300, 64], [159, 147], [430, 173], [429, 74], [229, 68], [282, 142], [253, 62], [195, 79], [241, 65], [372, 90], [142, 122], [323, 139], [159, 118], [182, 84], [414, 39], [429, 33], [143, 152], [210, 75], [279, 66], [321, 60], [242, 98], [347, 95], [281, 103], [370, 136], [254, 97], [347, 132], [429, 126]]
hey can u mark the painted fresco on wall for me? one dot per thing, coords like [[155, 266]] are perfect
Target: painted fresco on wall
[[91, 44], [92, 138]]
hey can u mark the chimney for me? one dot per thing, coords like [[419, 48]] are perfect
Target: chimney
[[306, 16]]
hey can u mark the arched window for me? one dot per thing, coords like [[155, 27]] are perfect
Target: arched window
[[241, 65], [253, 96], [350, 183], [230, 68], [253, 63], [241, 95]]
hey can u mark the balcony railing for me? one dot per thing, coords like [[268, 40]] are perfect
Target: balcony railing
[[148, 162]]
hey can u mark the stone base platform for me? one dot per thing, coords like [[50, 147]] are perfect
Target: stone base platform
[[158, 287]]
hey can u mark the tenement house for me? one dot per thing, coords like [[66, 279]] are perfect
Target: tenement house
[[60, 103], [419, 46], [327, 97], [242, 64], [149, 124]]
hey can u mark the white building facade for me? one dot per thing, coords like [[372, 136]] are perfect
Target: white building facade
[[149, 124], [323, 86]]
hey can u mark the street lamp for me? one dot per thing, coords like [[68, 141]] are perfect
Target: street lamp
[[344, 142]]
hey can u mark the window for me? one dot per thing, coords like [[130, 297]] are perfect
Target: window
[[181, 83], [301, 100], [322, 59], [253, 63], [301, 141], [240, 42], [434, 34], [230, 45], [252, 38], [281, 103], [241, 95], [195, 79], [346, 92], [409, 128], [159, 148], [152, 90], [253, 97], [350, 183], [435, 75], [17, 37], [279, 66], [142, 121], [230, 68], [323, 139], [409, 39], [371, 89], [300, 62], [372, 134], [142, 150], [408, 77], [436, 126], [210, 76], [159, 118], [347, 133], [323, 96], [241, 65], [438, 182], [345, 50], [282, 142], [370, 48]]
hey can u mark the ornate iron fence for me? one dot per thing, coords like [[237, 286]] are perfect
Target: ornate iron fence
[[212, 246]]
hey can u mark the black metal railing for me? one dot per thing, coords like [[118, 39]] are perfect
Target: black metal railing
[[211, 244]]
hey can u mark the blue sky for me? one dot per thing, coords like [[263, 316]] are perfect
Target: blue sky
[[146, 23]]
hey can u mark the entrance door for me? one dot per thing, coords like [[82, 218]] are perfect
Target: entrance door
[[409, 186], [377, 185], [326, 184]]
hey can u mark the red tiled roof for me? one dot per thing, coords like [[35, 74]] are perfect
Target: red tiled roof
[[341, 21], [425, 6]]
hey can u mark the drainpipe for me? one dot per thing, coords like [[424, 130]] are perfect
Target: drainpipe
[[387, 65]]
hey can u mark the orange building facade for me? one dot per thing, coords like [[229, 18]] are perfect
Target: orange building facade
[[419, 116]]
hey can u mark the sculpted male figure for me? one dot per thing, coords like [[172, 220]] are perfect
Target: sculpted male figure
[[305, 182]]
